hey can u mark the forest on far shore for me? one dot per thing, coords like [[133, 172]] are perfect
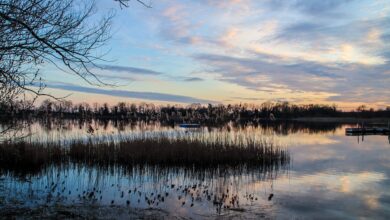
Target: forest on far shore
[[191, 113]]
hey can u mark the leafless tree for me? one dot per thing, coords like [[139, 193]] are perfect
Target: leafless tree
[[33, 33]]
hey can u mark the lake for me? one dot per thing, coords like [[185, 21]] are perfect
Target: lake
[[330, 176]]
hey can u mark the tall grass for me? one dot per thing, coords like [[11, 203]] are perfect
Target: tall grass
[[155, 150]]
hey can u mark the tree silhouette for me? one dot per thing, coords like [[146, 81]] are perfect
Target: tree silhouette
[[36, 32]]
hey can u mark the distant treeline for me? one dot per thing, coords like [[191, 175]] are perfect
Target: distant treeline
[[195, 113]]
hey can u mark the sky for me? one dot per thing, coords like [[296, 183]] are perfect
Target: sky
[[241, 51]]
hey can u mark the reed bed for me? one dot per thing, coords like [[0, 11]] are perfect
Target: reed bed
[[154, 149]]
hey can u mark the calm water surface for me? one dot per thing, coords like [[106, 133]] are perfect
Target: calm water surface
[[330, 176]]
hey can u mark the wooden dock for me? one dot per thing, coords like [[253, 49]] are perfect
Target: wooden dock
[[367, 131]]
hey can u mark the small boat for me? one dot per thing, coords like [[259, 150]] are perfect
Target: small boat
[[189, 125]]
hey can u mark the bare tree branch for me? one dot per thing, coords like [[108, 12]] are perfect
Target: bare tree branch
[[60, 32], [125, 3]]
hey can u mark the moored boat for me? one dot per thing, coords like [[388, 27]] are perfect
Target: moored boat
[[193, 125]]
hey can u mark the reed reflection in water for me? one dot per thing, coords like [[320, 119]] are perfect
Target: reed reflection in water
[[182, 190]]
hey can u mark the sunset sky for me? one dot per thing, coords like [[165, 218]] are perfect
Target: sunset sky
[[241, 51]]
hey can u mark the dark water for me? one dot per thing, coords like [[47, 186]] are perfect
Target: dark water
[[330, 176]]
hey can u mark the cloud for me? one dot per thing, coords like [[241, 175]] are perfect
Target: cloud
[[348, 30], [193, 79], [175, 26], [327, 50], [257, 72], [129, 69], [288, 52], [247, 98], [318, 7], [349, 40], [116, 77], [129, 94], [183, 78], [312, 7], [346, 82]]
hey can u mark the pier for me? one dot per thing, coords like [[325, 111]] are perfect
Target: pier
[[367, 131]]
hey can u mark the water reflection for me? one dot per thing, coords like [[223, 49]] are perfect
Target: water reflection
[[360, 137], [189, 192], [331, 176], [55, 129]]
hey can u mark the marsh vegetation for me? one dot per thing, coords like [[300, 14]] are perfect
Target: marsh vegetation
[[158, 149]]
